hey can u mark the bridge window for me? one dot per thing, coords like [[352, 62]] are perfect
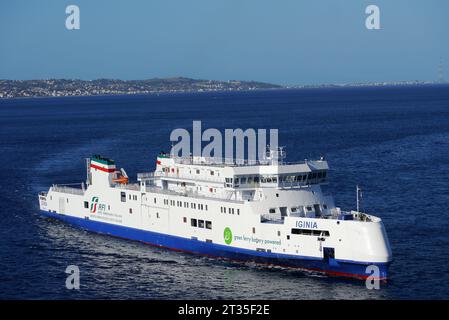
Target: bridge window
[[193, 222], [208, 225], [86, 204], [123, 196], [201, 223]]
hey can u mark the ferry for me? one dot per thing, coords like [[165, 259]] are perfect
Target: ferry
[[264, 211]]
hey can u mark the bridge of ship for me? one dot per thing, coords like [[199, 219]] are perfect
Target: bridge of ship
[[244, 174]]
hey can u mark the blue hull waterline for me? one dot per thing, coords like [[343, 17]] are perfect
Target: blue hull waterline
[[330, 266]]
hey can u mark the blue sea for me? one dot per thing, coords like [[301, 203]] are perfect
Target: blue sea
[[392, 141]]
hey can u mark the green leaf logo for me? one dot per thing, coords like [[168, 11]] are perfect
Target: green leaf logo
[[227, 235]]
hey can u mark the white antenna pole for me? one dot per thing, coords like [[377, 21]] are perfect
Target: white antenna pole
[[172, 155], [357, 191], [88, 179]]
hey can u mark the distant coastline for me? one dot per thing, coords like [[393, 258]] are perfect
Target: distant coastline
[[10, 89], [100, 87]]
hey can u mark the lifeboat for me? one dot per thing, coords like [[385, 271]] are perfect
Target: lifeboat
[[122, 177]]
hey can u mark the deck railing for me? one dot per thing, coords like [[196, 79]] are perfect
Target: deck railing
[[67, 189], [187, 177], [128, 186], [231, 161]]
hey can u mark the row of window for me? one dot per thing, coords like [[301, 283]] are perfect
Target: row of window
[[302, 209], [308, 208], [304, 177], [167, 202], [185, 204], [308, 232], [199, 223], [229, 210], [197, 171], [130, 196], [308, 177]]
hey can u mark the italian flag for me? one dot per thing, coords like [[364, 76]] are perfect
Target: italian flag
[[102, 165]]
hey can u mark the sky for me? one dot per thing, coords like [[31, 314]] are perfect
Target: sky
[[277, 41]]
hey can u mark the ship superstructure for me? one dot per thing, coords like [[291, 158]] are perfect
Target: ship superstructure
[[266, 211]]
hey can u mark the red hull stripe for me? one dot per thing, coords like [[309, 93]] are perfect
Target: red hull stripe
[[101, 168]]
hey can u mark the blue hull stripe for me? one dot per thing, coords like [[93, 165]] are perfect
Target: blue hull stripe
[[332, 266]]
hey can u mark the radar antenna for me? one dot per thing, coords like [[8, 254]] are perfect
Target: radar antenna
[[275, 155]]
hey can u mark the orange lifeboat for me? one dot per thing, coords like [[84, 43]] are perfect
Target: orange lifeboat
[[122, 180]]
